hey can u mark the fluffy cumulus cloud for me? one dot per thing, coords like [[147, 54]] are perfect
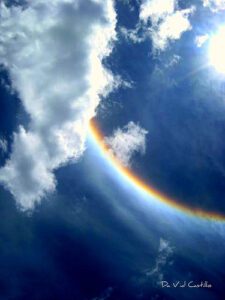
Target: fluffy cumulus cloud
[[53, 51], [214, 5], [127, 141], [167, 21]]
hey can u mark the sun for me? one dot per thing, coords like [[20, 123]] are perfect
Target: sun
[[217, 50]]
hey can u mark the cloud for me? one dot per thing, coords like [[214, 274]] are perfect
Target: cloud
[[165, 254], [132, 34], [3, 145], [167, 22], [174, 60], [136, 35], [201, 39], [53, 51], [127, 141], [156, 10], [214, 5]]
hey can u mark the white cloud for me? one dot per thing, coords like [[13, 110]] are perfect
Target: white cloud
[[156, 10], [3, 145], [167, 21], [53, 52], [201, 39], [127, 141], [214, 5], [171, 28]]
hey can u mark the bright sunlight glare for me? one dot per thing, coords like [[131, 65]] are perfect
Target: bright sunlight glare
[[217, 50]]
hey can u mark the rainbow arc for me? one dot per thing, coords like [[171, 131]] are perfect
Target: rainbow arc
[[146, 187]]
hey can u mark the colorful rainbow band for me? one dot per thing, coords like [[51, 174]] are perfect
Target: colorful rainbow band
[[142, 185]]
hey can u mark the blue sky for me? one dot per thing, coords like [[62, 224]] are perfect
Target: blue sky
[[72, 226], [178, 97]]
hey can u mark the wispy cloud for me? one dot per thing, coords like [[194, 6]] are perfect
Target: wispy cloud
[[106, 294], [134, 35], [164, 258], [53, 51], [127, 141], [3, 145]]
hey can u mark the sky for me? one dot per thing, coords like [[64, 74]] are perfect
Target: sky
[[151, 74]]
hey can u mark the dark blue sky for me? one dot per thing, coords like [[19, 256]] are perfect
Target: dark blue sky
[[97, 237], [182, 107]]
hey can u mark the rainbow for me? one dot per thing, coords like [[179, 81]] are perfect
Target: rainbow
[[143, 186]]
